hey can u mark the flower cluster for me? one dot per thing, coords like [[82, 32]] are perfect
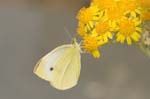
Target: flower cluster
[[106, 21]]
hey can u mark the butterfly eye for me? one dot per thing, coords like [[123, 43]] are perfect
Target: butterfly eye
[[51, 69]]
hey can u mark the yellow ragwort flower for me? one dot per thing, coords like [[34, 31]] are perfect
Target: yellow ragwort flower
[[89, 15], [145, 15], [104, 19], [91, 44], [129, 30], [144, 3], [102, 30], [114, 15], [130, 6], [105, 4], [81, 30]]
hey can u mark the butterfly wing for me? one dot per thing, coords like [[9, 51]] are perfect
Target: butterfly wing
[[42, 68], [67, 70], [65, 62]]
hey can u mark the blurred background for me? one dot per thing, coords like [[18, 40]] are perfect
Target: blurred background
[[30, 29]]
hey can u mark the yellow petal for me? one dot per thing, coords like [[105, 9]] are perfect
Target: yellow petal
[[109, 35], [118, 38], [129, 41], [138, 29], [133, 14], [122, 39], [134, 37], [105, 38], [137, 34], [91, 24], [96, 54], [137, 11], [88, 26], [137, 22]]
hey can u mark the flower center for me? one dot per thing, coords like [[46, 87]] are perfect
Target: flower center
[[90, 43], [127, 27], [102, 28]]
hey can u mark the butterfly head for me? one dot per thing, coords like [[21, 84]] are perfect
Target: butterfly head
[[76, 44]]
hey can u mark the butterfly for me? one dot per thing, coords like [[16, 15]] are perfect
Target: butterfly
[[61, 67]]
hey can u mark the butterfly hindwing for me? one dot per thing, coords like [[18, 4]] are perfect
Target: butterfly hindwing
[[67, 70]]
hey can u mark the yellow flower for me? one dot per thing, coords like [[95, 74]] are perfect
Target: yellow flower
[[88, 15], [129, 30], [144, 3], [91, 44], [145, 15], [130, 6], [114, 15], [102, 29], [81, 30], [105, 4]]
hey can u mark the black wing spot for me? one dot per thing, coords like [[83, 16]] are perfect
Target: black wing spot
[[51, 69]]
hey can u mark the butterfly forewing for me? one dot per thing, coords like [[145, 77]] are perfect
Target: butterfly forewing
[[45, 64]]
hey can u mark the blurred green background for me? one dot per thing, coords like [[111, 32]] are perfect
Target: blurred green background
[[30, 29]]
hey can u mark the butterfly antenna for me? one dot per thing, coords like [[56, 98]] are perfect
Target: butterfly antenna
[[72, 38], [68, 33], [80, 43]]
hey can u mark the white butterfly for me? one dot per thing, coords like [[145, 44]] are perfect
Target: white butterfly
[[61, 67]]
